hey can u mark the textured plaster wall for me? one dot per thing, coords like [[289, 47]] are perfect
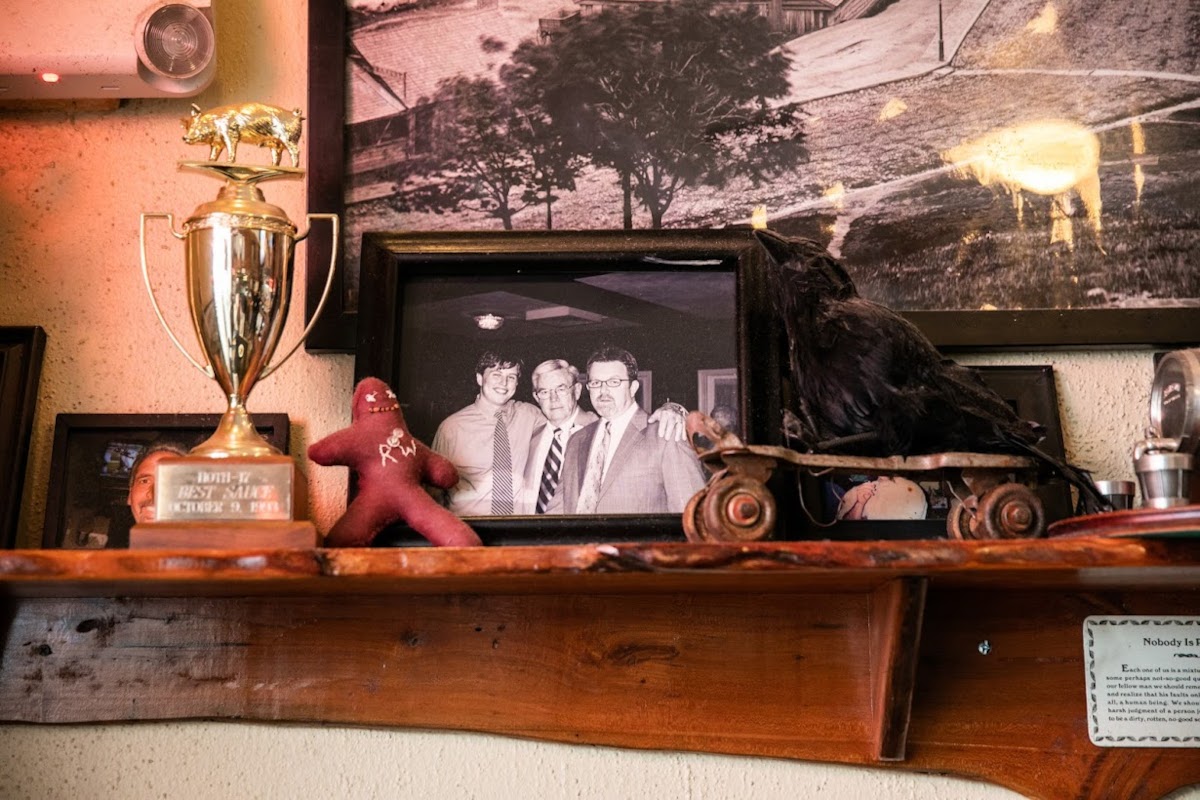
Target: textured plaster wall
[[72, 184]]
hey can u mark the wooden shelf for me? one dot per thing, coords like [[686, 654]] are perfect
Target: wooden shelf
[[848, 652], [581, 569]]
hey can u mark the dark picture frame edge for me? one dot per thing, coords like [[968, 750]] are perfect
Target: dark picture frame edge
[[1033, 393], [334, 331], [1167, 327], [275, 427], [22, 349], [1171, 328], [387, 253]]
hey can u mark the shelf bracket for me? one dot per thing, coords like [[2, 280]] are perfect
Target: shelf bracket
[[897, 610]]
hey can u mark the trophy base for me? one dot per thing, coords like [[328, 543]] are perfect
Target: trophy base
[[235, 437], [223, 536], [235, 489]]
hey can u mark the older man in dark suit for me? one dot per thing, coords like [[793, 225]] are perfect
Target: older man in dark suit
[[556, 388], [619, 464]]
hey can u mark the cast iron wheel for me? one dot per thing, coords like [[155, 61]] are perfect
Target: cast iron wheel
[[737, 509], [1010, 511], [960, 521]]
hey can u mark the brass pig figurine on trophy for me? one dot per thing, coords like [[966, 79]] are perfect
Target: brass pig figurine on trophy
[[254, 123], [239, 256]]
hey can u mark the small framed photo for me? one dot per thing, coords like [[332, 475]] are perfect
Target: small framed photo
[[99, 459], [595, 331]]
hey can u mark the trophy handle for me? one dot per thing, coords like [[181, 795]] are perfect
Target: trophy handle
[[206, 369], [335, 224]]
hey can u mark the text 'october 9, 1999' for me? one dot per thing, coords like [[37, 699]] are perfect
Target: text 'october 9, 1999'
[[195, 492]]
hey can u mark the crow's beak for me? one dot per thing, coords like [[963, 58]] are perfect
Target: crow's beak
[[776, 246]]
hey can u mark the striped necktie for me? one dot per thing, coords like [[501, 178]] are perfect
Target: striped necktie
[[550, 472], [502, 489]]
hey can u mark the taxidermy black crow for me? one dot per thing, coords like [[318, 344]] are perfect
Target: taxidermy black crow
[[867, 382]]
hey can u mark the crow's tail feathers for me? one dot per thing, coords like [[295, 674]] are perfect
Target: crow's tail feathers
[[1090, 499]]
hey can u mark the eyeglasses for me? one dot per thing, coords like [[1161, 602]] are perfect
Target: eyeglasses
[[611, 383], [557, 391]]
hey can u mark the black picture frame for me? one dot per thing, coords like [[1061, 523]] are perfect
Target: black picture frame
[[334, 332], [21, 352], [1170, 328], [85, 485], [1164, 327], [393, 262]]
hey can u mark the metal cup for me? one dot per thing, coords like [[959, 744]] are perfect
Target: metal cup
[[1163, 473], [1119, 494], [239, 255]]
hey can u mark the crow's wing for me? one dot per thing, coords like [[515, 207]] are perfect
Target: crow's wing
[[856, 372]]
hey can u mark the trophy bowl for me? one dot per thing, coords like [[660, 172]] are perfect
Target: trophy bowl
[[239, 269]]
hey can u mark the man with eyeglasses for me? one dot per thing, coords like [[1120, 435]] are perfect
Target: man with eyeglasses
[[620, 464], [556, 388]]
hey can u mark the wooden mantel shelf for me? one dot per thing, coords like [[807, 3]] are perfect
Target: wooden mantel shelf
[[580, 569], [850, 652]]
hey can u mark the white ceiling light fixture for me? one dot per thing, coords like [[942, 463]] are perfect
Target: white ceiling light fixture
[[488, 321]]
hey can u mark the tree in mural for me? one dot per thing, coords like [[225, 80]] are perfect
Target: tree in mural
[[553, 159], [480, 162], [495, 150], [668, 95]]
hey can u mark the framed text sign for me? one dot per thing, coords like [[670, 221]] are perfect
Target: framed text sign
[[1143, 680]]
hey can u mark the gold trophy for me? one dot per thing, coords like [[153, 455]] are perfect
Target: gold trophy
[[239, 257]]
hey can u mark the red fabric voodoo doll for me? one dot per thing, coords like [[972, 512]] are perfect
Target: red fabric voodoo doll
[[391, 466]]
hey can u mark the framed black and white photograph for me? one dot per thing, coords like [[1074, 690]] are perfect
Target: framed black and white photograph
[[102, 470], [434, 304], [1018, 174], [21, 353]]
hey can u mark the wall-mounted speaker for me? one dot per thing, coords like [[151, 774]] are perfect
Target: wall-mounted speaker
[[89, 49]]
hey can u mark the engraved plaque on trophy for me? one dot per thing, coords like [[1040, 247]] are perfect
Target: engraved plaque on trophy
[[235, 487], [226, 489]]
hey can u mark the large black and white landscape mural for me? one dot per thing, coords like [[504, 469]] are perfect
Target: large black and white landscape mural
[[960, 154]]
